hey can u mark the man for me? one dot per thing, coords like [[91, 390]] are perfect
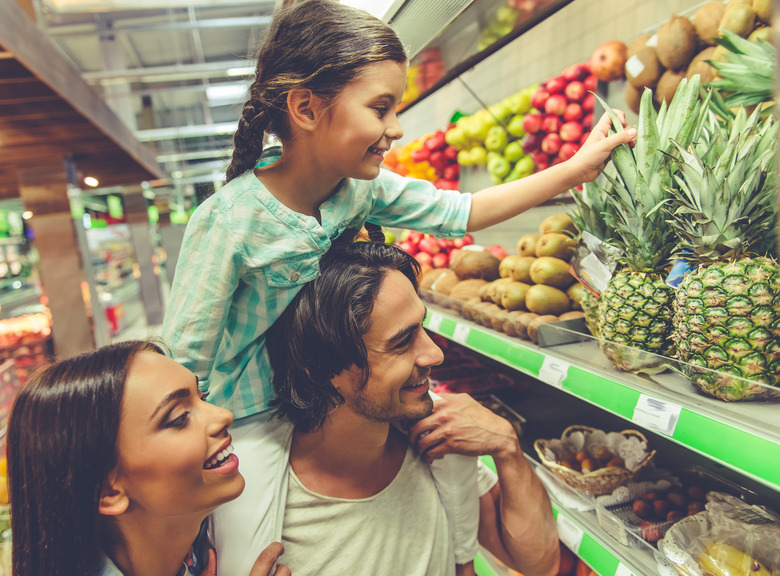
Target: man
[[335, 479]]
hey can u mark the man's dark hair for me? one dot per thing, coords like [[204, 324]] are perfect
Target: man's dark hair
[[320, 334]]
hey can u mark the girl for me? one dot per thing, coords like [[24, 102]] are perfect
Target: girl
[[114, 462], [329, 80]]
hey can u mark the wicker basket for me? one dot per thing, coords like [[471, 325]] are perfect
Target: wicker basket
[[599, 482]]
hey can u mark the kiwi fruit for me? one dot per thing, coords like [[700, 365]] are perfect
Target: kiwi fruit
[[677, 43]]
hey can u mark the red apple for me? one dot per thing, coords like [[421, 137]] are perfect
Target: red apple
[[571, 132], [568, 149], [414, 237], [575, 91], [532, 142], [532, 123], [498, 251], [408, 248], [556, 104], [551, 143], [423, 258], [468, 239], [429, 245], [539, 98], [589, 102], [440, 260], [587, 120], [608, 61], [540, 158], [584, 137], [556, 85], [542, 164], [590, 83], [551, 123], [573, 112], [574, 72], [557, 160], [451, 153]]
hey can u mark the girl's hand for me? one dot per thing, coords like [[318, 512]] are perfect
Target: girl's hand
[[592, 158], [266, 561]]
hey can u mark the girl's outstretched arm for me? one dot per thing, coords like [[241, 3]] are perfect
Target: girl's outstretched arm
[[498, 203]]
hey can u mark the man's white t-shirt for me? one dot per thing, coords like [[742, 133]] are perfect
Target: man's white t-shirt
[[401, 530]]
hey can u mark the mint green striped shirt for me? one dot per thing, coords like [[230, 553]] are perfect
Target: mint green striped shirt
[[245, 256]]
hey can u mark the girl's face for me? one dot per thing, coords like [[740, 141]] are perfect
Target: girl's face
[[362, 123], [175, 453]]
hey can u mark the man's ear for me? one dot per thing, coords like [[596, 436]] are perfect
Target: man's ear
[[113, 499], [305, 108]]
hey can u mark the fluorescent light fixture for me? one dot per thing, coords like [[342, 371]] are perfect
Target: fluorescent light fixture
[[226, 93], [241, 71], [27, 214], [90, 181]]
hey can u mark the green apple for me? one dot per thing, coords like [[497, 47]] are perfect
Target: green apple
[[456, 137], [497, 165], [515, 126], [514, 151], [524, 167], [520, 103], [496, 139], [478, 156], [500, 112], [464, 158]]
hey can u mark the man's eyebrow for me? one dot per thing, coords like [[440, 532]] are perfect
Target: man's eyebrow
[[404, 332], [179, 394]]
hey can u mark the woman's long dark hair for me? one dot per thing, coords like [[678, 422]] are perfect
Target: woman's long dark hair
[[320, 45], [62, 437], [321, 332]]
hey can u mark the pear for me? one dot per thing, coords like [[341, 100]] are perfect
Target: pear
[[551, 271], [542, 299], [521, 270], [505, 266], [557, 223], [513, 297], [575, 293], [556, 245], [526, 246]]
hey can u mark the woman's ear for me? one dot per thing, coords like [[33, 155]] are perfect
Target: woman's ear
[[305, 108], [113, 499]]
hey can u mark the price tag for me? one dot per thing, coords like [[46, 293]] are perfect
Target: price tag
[[622, 570], [461, 333], [553, 371], [434, 322], [569, 533], [657, 415]]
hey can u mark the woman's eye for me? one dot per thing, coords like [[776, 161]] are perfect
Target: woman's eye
[[381, 111], [179, 422]]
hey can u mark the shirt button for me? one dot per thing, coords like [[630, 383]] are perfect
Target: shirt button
[[294, 277]]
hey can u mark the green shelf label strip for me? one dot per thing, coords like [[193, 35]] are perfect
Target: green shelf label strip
[[742, 451]]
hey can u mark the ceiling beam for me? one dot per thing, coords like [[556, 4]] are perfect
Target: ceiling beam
[[156, 134], [71, 6], [119, 27], [223, 68]]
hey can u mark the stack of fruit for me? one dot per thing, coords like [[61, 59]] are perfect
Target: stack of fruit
[[516, 294], [428, 158], [683, 47], [491, 136], [565, 116], [429, 251], [656, 510]]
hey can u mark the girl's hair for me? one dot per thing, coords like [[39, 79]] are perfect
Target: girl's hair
[[62, 438], [319, 45], [321, 332]]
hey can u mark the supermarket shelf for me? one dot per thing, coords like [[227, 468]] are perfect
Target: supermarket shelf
[[742, 436], [581, 533], [10, 300], [474, 59]]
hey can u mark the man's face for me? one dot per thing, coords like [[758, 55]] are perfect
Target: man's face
[[400, 356]]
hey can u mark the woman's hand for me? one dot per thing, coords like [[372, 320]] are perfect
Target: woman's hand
[[266, 561], [592, 158]]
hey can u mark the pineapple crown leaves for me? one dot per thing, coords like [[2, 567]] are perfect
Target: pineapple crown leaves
[[638, 189], [592, 204], [747, 76], [723, 204]]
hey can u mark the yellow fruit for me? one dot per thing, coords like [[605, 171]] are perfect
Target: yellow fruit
[[720, 559], [3, 490]]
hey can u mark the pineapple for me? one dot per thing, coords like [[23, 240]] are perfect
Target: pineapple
[[635, 310], [589, 219], [747, 76], [727, 310]]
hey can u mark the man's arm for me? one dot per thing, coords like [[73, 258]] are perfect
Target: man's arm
[[516, 522]]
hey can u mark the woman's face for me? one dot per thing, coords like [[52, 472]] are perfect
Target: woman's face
[[175, 453]]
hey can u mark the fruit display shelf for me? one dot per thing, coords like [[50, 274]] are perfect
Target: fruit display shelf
[[581, 533], [742, 436]]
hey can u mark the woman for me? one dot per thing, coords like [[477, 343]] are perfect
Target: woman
[[114, 463]]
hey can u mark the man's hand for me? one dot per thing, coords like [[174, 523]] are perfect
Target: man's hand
[[461, 425], [267, 559]]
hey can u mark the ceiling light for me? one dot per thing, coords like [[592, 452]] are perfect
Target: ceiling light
[[226, 93], [241, 71], [27, 214], [378, 8], [90, 181]]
